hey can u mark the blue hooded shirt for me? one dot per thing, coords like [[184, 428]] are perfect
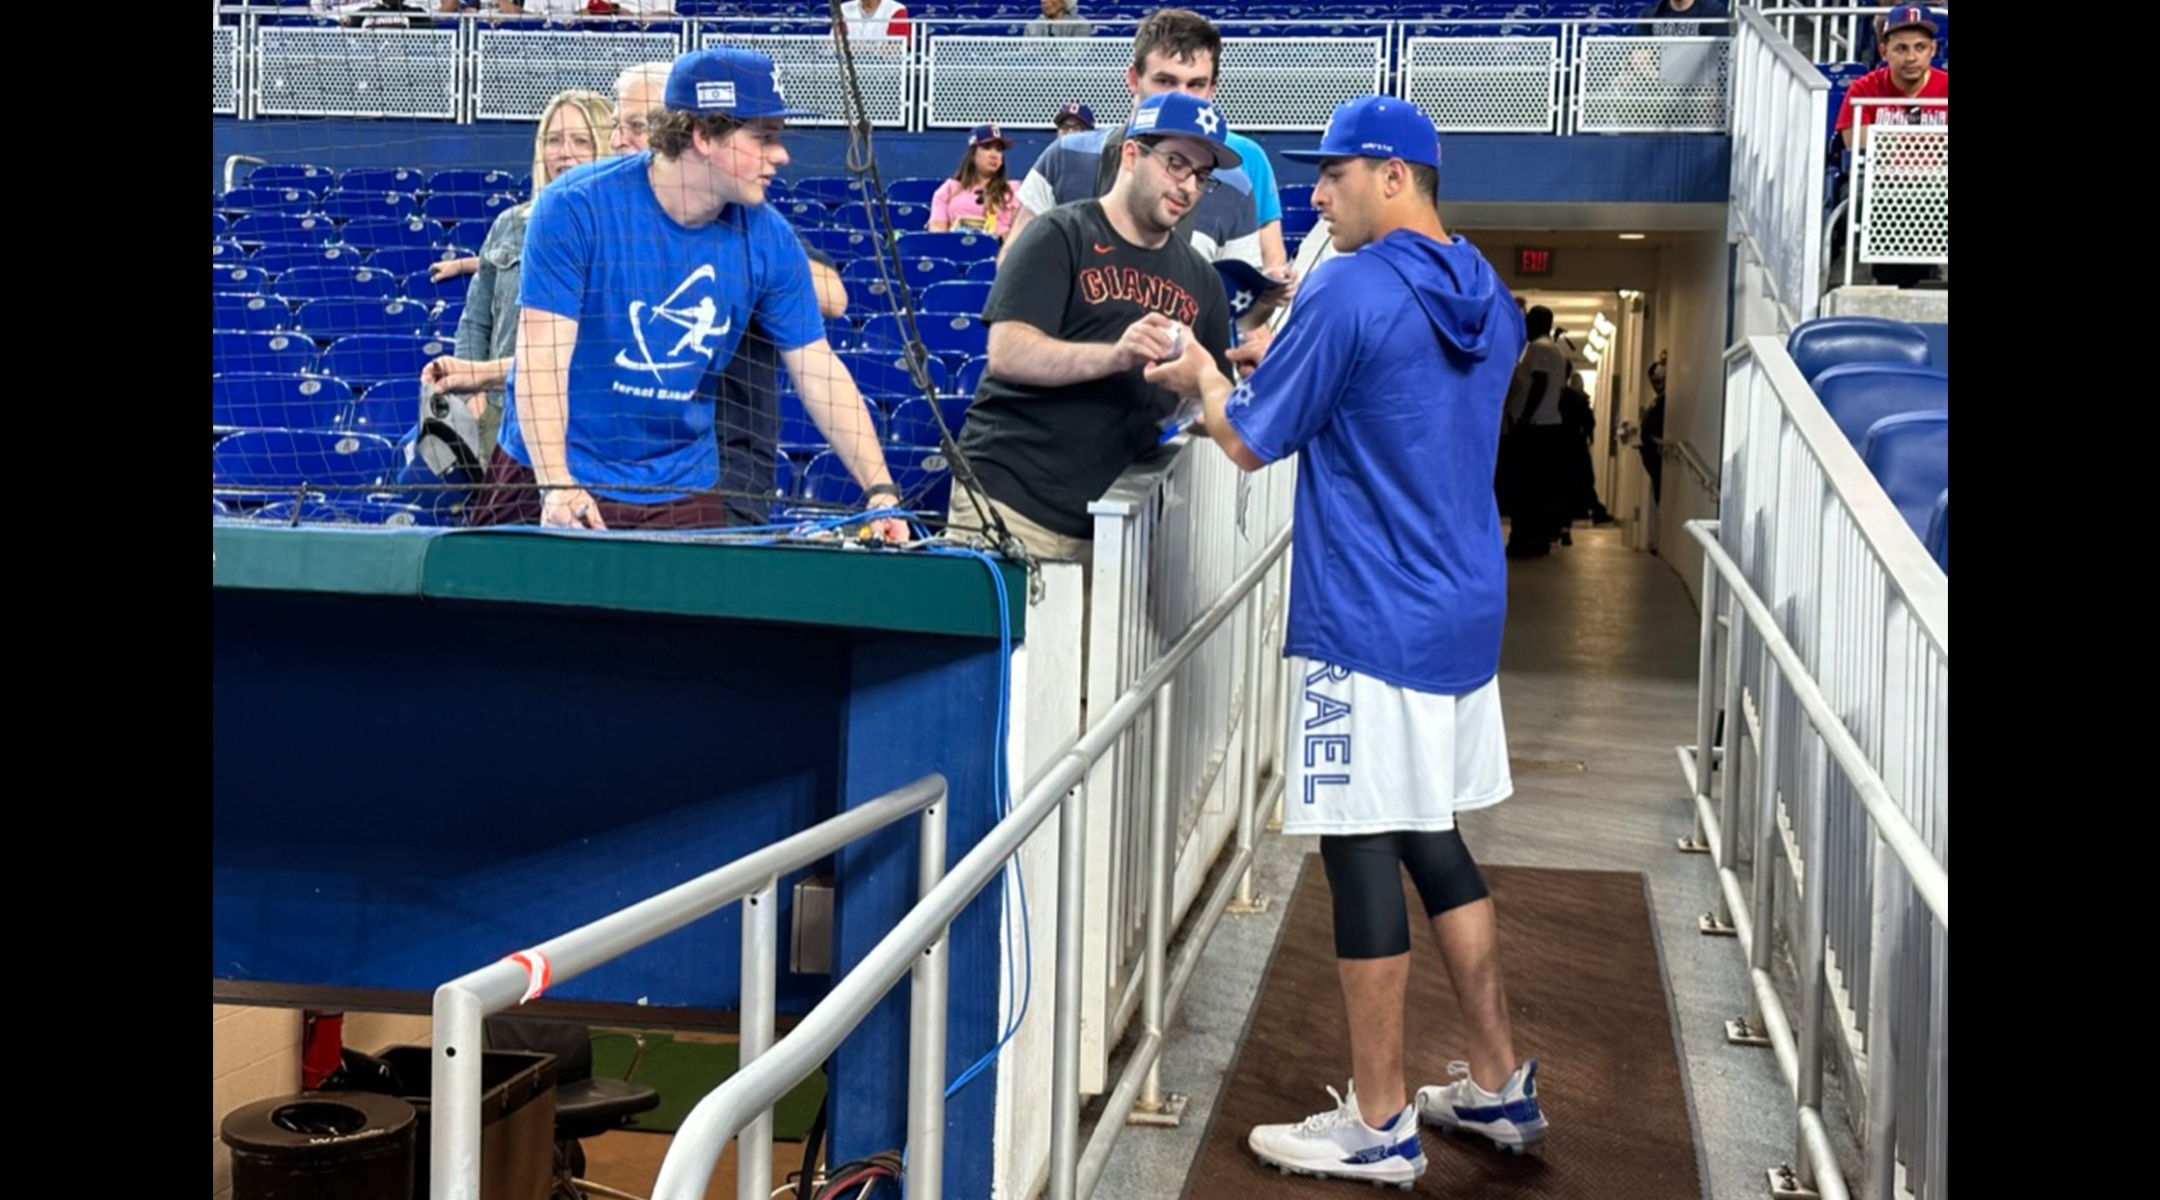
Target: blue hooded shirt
[[1389, 378]]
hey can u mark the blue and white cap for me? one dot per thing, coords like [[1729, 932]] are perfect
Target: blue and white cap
[[1244, 284], [1181, 114], [742, 84], [1376, 127]]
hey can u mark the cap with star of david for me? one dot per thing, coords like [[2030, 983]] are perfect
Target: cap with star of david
[[1181, 114], [723, 81]]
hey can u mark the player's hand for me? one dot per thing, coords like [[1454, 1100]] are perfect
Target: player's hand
[[1274, 298], [1146, 340], [569, 508], [891, 530], [456, 376], [1246, 355], [1183, 374]]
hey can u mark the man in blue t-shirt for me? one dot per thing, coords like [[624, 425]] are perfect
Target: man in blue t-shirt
[[641, 275], [1174, 50], [1387, 381]]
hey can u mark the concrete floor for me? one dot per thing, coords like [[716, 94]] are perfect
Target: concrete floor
[[1598, 680]]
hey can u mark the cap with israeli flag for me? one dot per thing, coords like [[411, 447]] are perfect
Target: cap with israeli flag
[[1181, 114], [724, 81]]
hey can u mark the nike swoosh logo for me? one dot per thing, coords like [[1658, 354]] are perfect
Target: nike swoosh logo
[[1102, 249]]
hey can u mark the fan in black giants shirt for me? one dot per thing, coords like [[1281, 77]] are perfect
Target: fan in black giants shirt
[[1089, 294]]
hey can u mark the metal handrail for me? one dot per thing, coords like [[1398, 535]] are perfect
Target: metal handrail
[[462, 1004], [686, 1171], [1929, 877], [1685, 452]]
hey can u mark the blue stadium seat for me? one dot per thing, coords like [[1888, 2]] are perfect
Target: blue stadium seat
[[366, 359], [954, 337], [389, 408], [883, 376], [1294, 195], [253, 314], [956, 296], [969, 378], [1909, 454], [447, 315], [382, 179], [841, 334], [342, 316], [904, 217], [283, 260], [258, 460], [294, 175], [270, 200], [798, 433], [226, 250], [402, 261], [373, 511], [1857, 395], [452, 208], [260, 353], [825, 479], [288, 229], [466, 179], [364, 206], [417, 286], [1297, 222], [913, 191], [1827, 342], [378, 234], [276, 401], [1937, 538], [953, 247], [882, 333], [841, 245], [801, 212], [923, 475], [239, 277], [218, 226], [301, 284], [829, 190], [914, 423], [982, 272]]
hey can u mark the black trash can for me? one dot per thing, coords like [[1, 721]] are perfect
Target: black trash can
[[517, 1120], [322, 1146]]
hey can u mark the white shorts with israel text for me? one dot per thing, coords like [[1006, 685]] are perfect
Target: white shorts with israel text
[[1368, 757]]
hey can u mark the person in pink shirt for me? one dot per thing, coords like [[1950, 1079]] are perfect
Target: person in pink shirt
[[977, 196]]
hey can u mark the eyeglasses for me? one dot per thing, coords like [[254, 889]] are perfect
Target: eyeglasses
[[1180, 168]]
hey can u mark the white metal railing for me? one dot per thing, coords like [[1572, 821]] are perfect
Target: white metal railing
[[1825, 662], [1780, 120], [1169, 538], [1824, 33], [1074, 1169], [463, 1004], [1901, 188], [225, 70], [1473, 74]]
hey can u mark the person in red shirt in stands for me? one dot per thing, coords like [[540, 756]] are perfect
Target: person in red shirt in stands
[[1908, 70]]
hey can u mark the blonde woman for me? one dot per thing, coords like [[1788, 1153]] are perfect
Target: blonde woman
[[575, 128]]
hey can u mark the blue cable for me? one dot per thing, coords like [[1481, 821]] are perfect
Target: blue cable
[[1000, 787]]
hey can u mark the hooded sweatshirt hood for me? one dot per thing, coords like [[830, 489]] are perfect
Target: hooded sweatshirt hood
[[1457, 289]]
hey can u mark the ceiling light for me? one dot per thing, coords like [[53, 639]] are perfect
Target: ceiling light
[[1633, 237]]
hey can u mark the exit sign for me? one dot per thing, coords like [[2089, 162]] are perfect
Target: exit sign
[[1533, 260]]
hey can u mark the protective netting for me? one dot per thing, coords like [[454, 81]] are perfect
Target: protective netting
[[696, 339]]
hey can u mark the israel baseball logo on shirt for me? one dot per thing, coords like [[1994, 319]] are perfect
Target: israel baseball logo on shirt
[[696, 320]]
